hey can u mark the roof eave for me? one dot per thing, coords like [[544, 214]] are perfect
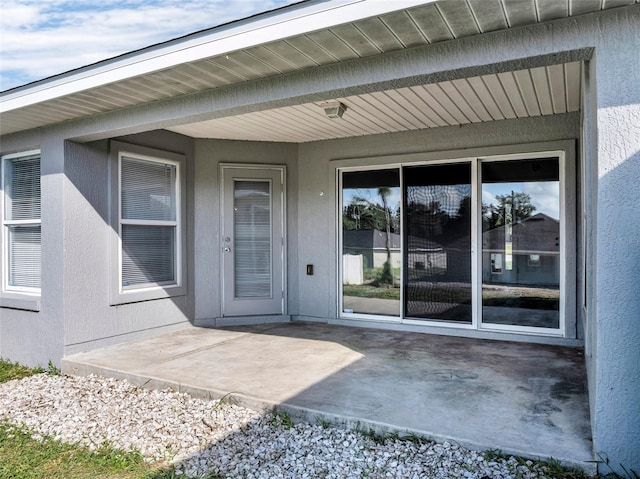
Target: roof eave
[[271, 26]]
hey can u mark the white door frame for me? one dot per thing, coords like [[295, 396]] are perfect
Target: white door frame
[[252, 171]]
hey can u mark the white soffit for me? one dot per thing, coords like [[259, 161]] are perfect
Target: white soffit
[[524, 93], [296, 38], [284, 23]]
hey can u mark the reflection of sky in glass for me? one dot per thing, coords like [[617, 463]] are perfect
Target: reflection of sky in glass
[[371, 195], [545, 195], [448, 196]]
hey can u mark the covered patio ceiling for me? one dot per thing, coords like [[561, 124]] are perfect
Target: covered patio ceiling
[[312, 34], [524, 93]]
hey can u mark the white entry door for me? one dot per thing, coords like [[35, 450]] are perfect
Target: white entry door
[[252, 243]]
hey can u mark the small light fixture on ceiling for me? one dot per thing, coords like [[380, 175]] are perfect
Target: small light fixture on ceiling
[[333, 109]]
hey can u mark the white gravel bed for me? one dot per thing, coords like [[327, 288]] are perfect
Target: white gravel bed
[[200, 436]]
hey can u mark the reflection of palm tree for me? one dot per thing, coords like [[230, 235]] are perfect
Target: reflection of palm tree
[[386, 277]]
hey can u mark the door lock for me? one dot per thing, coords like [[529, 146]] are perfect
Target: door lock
[[226, 249]]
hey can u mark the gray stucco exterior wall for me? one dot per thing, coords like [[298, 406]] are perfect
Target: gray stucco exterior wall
[[91, 321], [317, 222], [74, 311], [616, 355], [36, 337]]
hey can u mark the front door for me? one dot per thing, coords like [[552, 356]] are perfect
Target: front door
[[252, 240]]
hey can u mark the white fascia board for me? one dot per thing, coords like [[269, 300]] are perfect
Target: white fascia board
[[284, 23]]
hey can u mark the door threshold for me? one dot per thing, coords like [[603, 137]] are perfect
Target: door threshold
[[241, 320]]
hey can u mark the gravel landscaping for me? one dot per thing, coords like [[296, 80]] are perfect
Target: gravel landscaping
[[201, 437]]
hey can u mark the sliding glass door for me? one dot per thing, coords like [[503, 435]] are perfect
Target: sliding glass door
[[371, 257], [438, 242], [521, 243], [473, 243]]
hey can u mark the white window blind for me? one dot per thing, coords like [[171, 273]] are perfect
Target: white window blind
[[252, 224], [148, 190], [21, 221], [148, 222]]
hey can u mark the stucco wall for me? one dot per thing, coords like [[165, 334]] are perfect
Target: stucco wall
[[616, 418], [316, 228], [209, 154], [90, 320], [35, 337]]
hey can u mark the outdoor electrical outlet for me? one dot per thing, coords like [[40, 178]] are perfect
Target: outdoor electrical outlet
[[310, 269]]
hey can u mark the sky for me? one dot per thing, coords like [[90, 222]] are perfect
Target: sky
[[41, 38], [545, 195]]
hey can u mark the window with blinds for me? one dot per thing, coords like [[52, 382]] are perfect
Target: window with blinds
[[149, 221], [21, 221], [252, 232]]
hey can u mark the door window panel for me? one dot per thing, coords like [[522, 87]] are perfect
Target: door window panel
[[371, 242], [438, 242], [521, 224], [252, 233]]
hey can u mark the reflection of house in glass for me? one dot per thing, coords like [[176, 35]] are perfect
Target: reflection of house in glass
[[536, 253], [426, 257], [438, 279], [372, 245]]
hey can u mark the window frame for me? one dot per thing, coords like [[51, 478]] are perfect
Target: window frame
[[564, 150], [17, 297], [148, 291]]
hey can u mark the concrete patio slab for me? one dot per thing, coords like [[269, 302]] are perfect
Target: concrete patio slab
[[525, 399]]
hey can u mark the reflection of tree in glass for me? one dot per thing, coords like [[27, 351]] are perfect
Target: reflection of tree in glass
[[433, 221], [386, 277], [364, 214], [493, 215]]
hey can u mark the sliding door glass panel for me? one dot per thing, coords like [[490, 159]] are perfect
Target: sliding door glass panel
[[438, 242], [521, 243], [371, 254]]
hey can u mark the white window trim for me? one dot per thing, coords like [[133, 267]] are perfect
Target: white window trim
[[151, 291], [15, 297]]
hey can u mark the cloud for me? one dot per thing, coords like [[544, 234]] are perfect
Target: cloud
[[43, 38], [545, 196], [488, 197]]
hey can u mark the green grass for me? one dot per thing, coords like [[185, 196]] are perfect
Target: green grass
[[23, 457], [370, 274], [281, 419], [368, 291], [513, 297], [9, 371]]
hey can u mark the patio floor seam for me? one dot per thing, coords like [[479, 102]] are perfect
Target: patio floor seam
[[199, 350]]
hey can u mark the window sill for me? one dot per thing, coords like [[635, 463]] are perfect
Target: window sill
[[147, 294], [20, 301]]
